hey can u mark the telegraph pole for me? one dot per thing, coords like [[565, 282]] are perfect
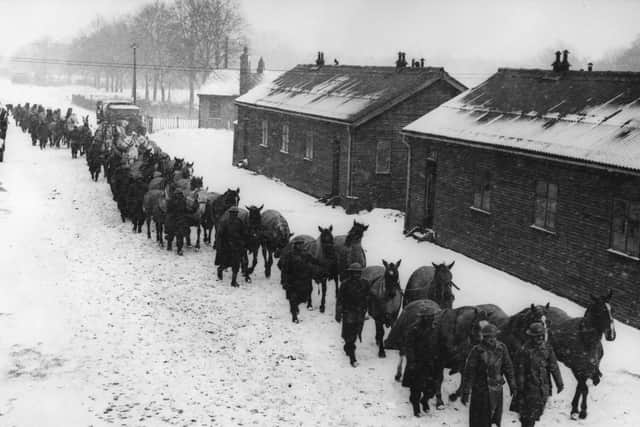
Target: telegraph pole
[[133, 90]]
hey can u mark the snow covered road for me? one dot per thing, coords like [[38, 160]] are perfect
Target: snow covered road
[[100, 326]]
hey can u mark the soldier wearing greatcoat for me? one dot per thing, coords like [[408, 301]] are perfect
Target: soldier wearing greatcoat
[[176, 221], [232, 240], [484, 372], [351, 308], [535, 364], [423, 368], [297, 267]]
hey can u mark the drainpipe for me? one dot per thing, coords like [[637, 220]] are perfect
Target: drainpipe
[[349, 137], [408, 188]]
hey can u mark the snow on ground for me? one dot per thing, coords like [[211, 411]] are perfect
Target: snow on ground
[[101, 326]]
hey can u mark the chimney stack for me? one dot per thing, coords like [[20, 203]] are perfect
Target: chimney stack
[[565, 61], [590, 66], [421, 62], [320, 59], [245, 71], [557, 63]]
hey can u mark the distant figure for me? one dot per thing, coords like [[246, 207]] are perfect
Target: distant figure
[[351, 308], [298, 269], [233, 235], [487, 364], [335, 61], [535, 364]]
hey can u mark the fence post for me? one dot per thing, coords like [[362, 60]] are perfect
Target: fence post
[[177, 122]]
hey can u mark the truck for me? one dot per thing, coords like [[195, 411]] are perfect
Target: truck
[[113, 111]]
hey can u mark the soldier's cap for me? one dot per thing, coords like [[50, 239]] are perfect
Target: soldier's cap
[[355, 267], [489, 330], [535, 329]]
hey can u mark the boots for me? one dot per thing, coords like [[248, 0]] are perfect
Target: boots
[[414, 398], [234, 279], [220, 270]]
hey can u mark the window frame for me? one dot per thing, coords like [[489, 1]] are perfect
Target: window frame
[[482, 193], [284, 144], [309, 145], [265, 134], [548, 205], [387, 170], [219, 110], [626, 220]]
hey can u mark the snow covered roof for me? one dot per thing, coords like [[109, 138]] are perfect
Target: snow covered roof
[[342, 92], [589, 116], [227, 82]]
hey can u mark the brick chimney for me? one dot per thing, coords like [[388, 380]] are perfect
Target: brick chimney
[[260, 68], [590, 66], [245, 71], [320, 59], [557, 63], [565, 61]]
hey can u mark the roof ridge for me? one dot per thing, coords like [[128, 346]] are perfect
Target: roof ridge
[[602, 75]]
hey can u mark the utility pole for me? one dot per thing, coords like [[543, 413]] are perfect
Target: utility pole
[[133, 90]]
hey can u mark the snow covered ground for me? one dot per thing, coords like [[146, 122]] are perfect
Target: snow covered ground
[[100, 326]]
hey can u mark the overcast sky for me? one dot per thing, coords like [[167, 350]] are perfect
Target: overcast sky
[[504, 32]]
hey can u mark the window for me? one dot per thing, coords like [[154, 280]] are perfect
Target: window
[[308, 147], [482, 193], [546, 205], [214, 110], [383, 157], [265, 134], [625, 227], [285, 139]]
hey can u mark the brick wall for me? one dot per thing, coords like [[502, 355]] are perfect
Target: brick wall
[[310, 176], [572, 262], [388, 190]]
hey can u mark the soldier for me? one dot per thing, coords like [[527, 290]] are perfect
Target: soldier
[[487, 364], [535, 363], [232, 238], [176, 219], [297, 268], [422, 370], [351, 308]]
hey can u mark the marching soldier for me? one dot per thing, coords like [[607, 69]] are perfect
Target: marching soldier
[[297, 269], [232, 239], [535, 364], [487, 365], [351, 308]]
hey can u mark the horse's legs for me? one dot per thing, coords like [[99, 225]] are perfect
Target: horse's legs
[[148, 221], [254, 252], [398, 376], [198, 237], [380, 338], [583, 405], [244, 265], [267, 267], [309, 305], [576, 400], [179, 242], [324, 295], [439, 381]]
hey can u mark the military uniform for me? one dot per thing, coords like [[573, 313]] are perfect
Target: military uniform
[[423, 369], [297, 268], [535, 364], [351, 308], [231, 251], [483, 377], [175, 222]]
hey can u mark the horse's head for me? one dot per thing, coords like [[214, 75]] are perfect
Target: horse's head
[[600, 315], [178, 163], [355, 234], [326, 241], [391, 278], [443, 282], [255, 216], [231, 198], [187, 170], [538, 313], [196, 183]]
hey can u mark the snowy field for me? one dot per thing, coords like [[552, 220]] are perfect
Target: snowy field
[[100, 326]]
